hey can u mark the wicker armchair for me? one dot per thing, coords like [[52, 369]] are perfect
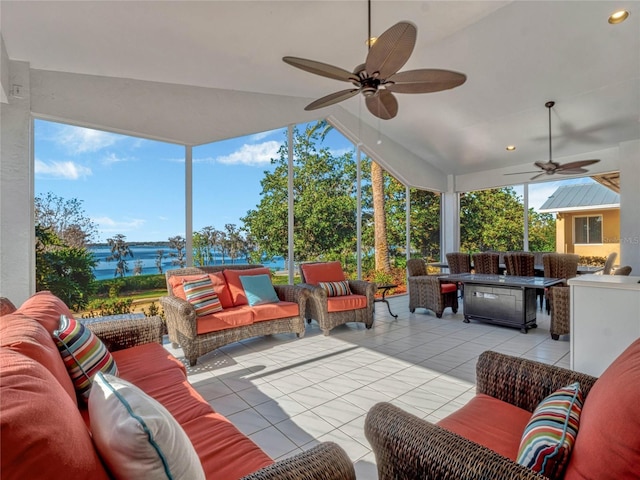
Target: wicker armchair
[[486, 262], [559, 265], [608, 264], [182, 321], [521, 264], [408, 448], [459, 262], [318, 307], [429, 291]]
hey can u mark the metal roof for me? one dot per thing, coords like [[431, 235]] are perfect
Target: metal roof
[[581, 197]]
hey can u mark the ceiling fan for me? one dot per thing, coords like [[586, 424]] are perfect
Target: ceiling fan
[[378, 78], [550, 167]]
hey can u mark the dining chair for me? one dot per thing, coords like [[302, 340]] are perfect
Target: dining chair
[[520, 264], [459, 262], [486, 262], [429, 291], [559, 265]]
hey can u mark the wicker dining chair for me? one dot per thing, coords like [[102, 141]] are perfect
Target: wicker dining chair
[[559, 323], [559, 265], [521, 264], [486, 262], [429, 291], [459, 262]]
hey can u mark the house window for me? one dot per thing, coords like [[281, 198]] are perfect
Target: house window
[[588, 229]]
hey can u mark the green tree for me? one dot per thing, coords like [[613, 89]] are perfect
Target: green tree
[[120, 250], [137, 267], [66, 218], [65, 271], [159, 257], [200, 249], [324, 206], [542, 232]]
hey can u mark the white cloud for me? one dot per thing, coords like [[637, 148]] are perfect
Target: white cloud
[[112, 158], [262, 135], [83, 140], [108, 225], [65, 170], [255, 155]]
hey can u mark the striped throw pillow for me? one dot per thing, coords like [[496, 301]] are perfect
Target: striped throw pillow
[[201, 295], [551, 432], [336, 289], [83, 354]]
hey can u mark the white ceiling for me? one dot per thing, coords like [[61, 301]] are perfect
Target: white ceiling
[[516, 55]]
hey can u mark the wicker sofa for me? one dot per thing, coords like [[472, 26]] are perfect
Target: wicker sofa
[[481, 439], [200, 335], [46, 433]]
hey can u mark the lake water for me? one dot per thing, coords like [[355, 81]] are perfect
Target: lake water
[[149, 253]]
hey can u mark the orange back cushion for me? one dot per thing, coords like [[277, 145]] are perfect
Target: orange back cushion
[[26, 336], [41, 429], [608, 441], [46, 308], [315, 273], [235, 285], [217, 279]]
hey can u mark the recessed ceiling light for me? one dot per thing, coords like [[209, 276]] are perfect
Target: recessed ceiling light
[[618, 17], [511, 148]]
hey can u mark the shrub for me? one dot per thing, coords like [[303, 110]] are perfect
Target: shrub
[[110, 306]]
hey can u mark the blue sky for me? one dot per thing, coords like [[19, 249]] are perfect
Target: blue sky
[[135, 186]]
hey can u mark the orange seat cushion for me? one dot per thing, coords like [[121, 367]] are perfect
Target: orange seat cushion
[[315, 273], [46, 308], [138, 362], [217, 279], [30, 338], [490, 422], [272, 311], [608, 441], [235, 285], [224, 451], [346, 302], [42, 432], [228, 318], [448, 287]]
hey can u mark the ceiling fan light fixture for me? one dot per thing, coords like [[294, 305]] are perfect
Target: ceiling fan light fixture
[[618, 17]]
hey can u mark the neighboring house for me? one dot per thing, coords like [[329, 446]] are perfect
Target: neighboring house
[[587, 219]]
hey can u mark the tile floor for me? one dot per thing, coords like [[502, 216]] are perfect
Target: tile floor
[[289, 394]]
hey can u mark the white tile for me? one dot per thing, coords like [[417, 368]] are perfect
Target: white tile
[[312, 396], [273, 442], [338, 412], [280, 409], [249, 421], [304, 428]]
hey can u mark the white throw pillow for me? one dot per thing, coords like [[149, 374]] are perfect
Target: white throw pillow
[[136, 436]]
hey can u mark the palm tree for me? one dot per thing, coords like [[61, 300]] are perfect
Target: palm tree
[[119, 252], [381, 246], [159, 257]]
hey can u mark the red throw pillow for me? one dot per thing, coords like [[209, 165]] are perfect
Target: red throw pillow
[[235, 284], [314, 273]]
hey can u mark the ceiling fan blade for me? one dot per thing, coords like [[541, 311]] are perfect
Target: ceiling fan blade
[[383, 105], [425, 80], [571, 171], [320, 68], [332, 98], [391, 50], [522, 173], [578, 164], [538, 176], [547, 166]]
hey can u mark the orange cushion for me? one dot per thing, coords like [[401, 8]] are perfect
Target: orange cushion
[[448, 287], [490, 422], [608, 441], [235, 285], [172, 389], [346, 302], [211, 323], [28, 337], [41, 430], [271, 311], [46, 308], [140, 361], [217, 279], [233, 317], [315, 273], [224, 451]]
